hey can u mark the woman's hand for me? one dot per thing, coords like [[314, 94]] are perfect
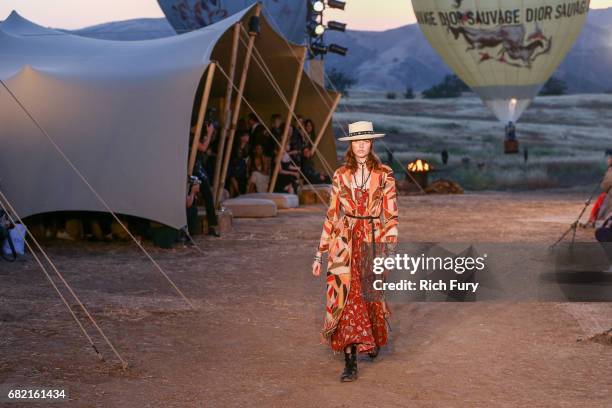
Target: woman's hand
[[316, 268], [386, 310]]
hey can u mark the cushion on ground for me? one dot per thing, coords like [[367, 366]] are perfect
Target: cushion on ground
[[251, 207], [282, 200]]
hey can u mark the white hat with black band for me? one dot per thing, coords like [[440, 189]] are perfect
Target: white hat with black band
[[360, 131]]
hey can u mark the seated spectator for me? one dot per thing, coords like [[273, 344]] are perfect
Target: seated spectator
[[276, 127], [310, 173], [257, 133], [310, 131], [259, 172], [296, 144], [288, 175], [237, 170]]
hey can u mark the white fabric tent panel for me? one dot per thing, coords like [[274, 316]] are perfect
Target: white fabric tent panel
[[119, 110]]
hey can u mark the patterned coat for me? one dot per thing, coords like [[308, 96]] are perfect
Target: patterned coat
[[336, 235]]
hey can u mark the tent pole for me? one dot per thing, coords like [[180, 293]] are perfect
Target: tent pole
[[236, 112], [201, 114], [226, 108], [296, 89], [332, 109]]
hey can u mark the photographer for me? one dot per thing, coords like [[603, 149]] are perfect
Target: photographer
[[12, 237], [192, 207], [204, 183]]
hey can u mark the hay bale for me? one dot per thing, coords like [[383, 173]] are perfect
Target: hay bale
[[96, 230], [251, 207], [224, 220], [74, 228], [282, 200], [118, 231], [444, 187], [315, 193]]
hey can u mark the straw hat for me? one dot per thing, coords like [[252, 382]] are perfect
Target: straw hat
[[360, 131]]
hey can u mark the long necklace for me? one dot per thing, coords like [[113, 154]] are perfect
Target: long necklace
[[364, 180]]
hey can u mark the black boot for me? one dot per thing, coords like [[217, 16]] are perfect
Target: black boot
[[350, 366], [374, 352]]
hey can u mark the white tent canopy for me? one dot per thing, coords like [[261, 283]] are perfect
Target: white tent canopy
[[120, 111]]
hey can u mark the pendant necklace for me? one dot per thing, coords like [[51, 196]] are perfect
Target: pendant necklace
[[364, 180]]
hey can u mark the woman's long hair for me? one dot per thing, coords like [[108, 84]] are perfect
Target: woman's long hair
[[350, 161]]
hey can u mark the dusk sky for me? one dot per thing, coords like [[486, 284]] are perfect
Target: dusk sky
[[359, 14]]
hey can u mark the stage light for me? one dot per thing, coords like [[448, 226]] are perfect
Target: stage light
[[318, 6], [318, 30], [336, 49], [336, 4], [318, 49], [337, 26]]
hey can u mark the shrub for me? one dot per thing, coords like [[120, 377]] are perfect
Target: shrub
[[409, 94]]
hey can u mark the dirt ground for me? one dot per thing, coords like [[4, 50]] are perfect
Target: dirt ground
[[252, 342]]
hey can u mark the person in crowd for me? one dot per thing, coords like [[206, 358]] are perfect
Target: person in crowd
[[602, 208], [276, 127], [444, 155], [237, 174], [257, 133], [192, 208], [308, 169], [288, 175], [208, 157], [259, 171], [202, 175], [309, 127], [296, 144], [510, 130]]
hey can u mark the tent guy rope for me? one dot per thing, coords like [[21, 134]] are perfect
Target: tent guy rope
[[8, 211]]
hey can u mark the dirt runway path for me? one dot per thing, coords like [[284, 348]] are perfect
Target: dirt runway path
[[253, 340]]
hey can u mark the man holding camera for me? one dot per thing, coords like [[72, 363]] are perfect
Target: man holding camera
[[201, 183]]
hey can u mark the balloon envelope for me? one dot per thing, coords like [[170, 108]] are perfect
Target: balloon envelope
[[288, 17], [504, 50]]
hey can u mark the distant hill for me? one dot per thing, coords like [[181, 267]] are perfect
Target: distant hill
[[129, 30], [401, 57]]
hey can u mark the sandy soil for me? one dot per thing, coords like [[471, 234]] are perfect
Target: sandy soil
[[253, 339]]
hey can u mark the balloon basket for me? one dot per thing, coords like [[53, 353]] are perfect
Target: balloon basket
[[511, 146]]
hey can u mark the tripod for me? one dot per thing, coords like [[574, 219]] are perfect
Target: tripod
[[574, 224]]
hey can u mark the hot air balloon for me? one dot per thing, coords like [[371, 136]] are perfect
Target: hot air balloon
[[504, 50], [288, 17]]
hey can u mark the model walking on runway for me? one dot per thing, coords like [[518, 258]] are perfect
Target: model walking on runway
[[361, 224]]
